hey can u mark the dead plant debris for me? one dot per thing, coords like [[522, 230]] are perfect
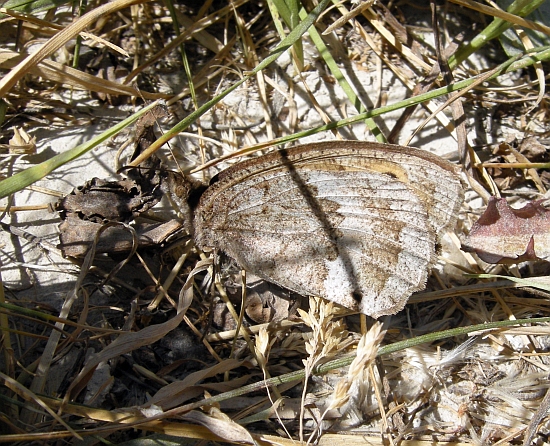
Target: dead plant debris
[[161, 342]]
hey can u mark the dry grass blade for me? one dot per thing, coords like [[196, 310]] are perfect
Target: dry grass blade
[[59, 40], [161, 348], [528, 165], [541, 413], [29, 396], [71, 77], [175, 393], [349, 15], [193, 29], [528, 45], [47, 357], [224, 428], [42, 24], [512, 18], [127, 342]]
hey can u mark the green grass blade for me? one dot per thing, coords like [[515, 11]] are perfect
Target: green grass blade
[[31, 7], [493, 30], [343, 82], [292, 37], [538, 55], [28, 176], [529, 282]]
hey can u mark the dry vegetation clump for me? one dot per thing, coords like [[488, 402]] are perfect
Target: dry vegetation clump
[[164, 342]]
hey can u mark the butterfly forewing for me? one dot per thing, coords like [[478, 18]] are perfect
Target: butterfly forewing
[[349, 222]]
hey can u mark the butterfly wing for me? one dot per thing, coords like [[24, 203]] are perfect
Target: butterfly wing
[[342, 224]]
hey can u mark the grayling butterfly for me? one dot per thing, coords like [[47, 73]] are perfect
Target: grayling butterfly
[[353, 222]]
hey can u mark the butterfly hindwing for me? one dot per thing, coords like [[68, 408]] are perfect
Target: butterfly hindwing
[[350, 223]]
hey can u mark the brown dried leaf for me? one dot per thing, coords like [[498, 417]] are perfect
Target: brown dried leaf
[[77, 235], [22, 142], [506, 235]]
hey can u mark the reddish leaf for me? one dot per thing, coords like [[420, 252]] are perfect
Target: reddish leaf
[[506, 235]]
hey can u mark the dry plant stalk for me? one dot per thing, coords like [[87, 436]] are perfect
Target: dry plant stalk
[[262, 347], [321, 346], [357, 376]]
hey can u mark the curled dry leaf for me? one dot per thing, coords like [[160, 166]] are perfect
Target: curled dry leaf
[[22, 142], [179, 392], [98, 201], [223, 427], [506, 235]]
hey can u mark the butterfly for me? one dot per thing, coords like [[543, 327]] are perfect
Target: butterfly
[[353, 222]]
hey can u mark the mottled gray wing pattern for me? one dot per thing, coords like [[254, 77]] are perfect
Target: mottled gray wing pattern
[[355, 223]]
